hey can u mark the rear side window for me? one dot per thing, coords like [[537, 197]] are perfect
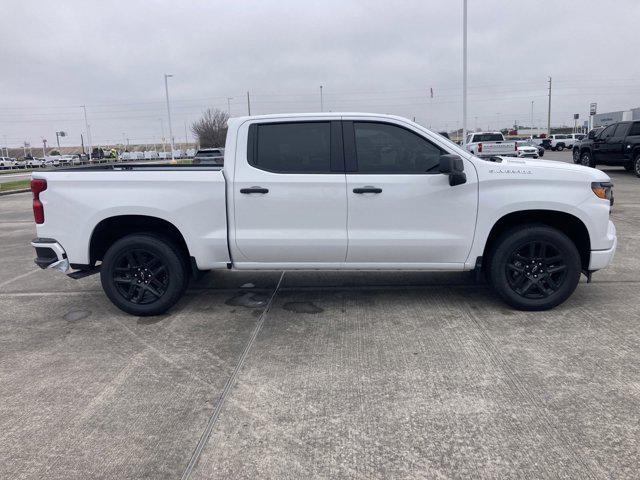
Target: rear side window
[[385, 148], [300, 147], [635, 129]]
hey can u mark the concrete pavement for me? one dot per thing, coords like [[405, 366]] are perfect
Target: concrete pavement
[[334, 375]]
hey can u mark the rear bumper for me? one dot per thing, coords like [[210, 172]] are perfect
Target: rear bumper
[[50, 254], [602, 258]]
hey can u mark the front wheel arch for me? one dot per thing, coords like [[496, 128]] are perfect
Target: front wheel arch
[[565, 222]]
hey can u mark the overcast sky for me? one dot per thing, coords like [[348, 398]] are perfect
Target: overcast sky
[[376, 56]]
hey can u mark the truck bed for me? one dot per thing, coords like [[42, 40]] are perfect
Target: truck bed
[[192, 198]]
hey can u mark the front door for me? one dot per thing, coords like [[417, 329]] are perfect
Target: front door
[[402, 212], [289, 196]]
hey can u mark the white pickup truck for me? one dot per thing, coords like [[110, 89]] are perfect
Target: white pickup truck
[[490, 144], [327, 191]]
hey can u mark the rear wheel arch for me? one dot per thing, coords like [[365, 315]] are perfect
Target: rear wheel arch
[[111, 229], [564, 222]]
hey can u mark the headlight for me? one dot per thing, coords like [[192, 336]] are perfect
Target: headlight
[[603, 190]]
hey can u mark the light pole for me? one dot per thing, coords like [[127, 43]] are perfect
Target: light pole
[[229, 105], [498, 121], [531, 117], [464, 72], [86, 125], [164, 142], [321, 100], [166, 91]]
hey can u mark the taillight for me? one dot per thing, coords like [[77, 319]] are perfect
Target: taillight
[[37, 186], [479, 147]]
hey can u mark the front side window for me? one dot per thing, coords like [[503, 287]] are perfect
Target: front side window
[[300, 147], [608, 132], [385, 148], [621, 130]]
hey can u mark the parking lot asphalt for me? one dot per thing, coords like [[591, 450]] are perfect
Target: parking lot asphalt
[[319, 375]]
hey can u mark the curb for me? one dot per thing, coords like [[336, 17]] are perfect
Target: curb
[[10, 192]]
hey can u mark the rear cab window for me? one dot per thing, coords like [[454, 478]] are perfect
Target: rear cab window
[[296, 147]]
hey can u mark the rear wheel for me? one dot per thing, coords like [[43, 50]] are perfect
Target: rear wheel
[[560, 147], [636, 165], [534, 267], [587, 160], [143, 274]]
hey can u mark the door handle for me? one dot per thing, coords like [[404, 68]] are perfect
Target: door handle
[[254, 190], [367, 189]]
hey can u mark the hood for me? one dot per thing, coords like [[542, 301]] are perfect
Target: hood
[[569, 168]]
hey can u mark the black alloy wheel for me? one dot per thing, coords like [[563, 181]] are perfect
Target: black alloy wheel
[[144, 274], [536, 270], [140, 276]]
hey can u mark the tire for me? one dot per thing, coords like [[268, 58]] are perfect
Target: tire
[[587, 160], [534, 267], [560, 147], [143, 274], [576, 155], [636, 165]]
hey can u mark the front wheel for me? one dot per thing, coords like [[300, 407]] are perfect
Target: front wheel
[[143, 274], [560, 147], [636, 165], [587, 160], [576, 156], [534, 267]]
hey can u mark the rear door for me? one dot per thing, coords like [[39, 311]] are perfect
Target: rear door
[[289, 195], [402, 212]]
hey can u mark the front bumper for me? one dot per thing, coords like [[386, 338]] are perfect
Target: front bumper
[[602, 258], [50, 254]]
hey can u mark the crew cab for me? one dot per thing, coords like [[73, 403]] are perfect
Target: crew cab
[[561, 141], [616, 144], [490, 144], [327, 191]]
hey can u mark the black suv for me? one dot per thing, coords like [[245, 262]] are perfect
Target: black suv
[[616, 144]]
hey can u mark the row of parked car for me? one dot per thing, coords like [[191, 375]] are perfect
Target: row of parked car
[[81, 159]]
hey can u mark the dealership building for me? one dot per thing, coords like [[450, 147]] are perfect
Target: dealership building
[[602, 119]]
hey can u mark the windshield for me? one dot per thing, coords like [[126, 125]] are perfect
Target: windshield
[[487, 137]]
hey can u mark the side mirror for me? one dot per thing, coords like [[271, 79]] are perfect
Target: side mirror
[[453, 166], [592, 135]]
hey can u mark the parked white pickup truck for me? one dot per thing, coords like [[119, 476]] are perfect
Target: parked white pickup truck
[[490, 144], [327, 191]]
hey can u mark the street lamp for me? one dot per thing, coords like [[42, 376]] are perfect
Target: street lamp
[[229, 105], [166, 91], [464, 72]]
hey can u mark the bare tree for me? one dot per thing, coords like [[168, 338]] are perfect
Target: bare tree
[[211, 129]]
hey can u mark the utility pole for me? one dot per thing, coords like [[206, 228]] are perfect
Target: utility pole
[[549, 111], [229, 105], [44, 147], [86, 124], [321, 100], [464, 73], [248, 104], [82, 142], [166, 91]]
